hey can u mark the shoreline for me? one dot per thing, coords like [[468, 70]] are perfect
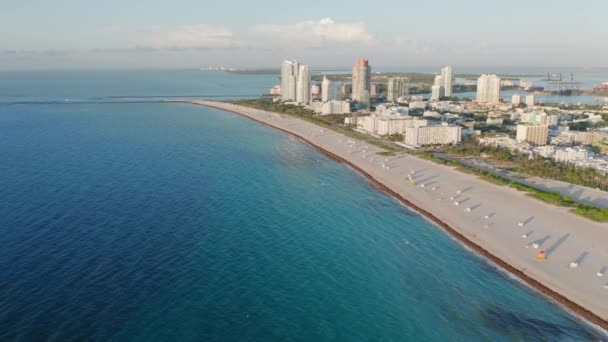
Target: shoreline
[[561, 299]]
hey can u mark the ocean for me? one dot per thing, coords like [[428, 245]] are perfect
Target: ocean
[[144, 221]]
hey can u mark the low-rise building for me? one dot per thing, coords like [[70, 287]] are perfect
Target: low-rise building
[[494, 121], [388, 124], [276, 90], [331, 107], [535, 134], [530, 100], [433, 135], [516, 99]]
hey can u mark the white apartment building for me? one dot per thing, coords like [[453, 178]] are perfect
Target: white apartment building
[[488, 89], [516, 99], [397, 87], [417, 105], [335, 107], [388, 124], [447, 78], [330, 91], [539, 118], [535, 134], [433, 135], [494, 121], [289, 76], [530, 100], [570, 155], [303, 85], [436, 91]]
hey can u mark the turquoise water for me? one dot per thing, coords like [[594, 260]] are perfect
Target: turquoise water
[[154, 221]]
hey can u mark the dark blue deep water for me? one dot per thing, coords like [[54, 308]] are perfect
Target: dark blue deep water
[[150, 221]]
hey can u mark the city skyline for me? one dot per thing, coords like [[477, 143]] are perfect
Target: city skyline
[[68, 34]]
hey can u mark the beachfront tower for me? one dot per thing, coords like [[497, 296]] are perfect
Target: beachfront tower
[[303, 85], [289, 76], [361, 79]]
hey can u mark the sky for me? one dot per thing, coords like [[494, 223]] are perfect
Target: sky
[[75, 34]]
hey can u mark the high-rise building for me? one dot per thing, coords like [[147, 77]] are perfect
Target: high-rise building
[[438, 80], [516, 99], [436, 92], [330, 91], [437, 88], [535, 134], [397, 87], [447, 77], [361, 79], [530, 100], [365, 100], [303, 85], [488, 89], [289, 76]]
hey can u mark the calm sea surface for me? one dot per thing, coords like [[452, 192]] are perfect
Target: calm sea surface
[[150, 221]]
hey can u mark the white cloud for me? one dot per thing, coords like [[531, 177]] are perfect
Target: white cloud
[[313, 33], [181, 37]]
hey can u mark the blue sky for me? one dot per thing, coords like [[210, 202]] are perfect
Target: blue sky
[[246, 33]]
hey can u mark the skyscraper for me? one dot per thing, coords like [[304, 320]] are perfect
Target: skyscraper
[[361, 79], [447, 76], [303, 85], [329, 90], [397, 87], [437, 88], [488, 89], [289, 75]]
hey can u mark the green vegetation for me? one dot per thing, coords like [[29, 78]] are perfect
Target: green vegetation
[[596, 214], [333, 122], [540, 167], [555, 198]]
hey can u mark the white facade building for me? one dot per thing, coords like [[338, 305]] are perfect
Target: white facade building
[[447, 78], [535, 134], [397, 87], [303, 85], [516, 99], [540, 118], [437, 89], [433, 135], [570, 155], [289, 76], [330, 91], [530, 100], [335, 107], [488, 89], [388, 124]]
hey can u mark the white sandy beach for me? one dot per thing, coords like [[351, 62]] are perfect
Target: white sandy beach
[[513, 224]]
